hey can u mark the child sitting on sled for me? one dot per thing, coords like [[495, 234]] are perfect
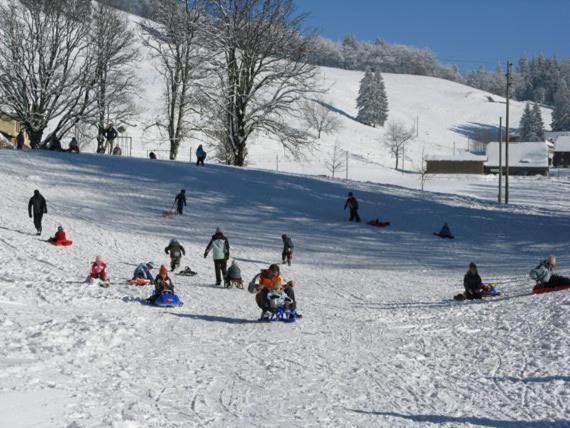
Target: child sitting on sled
[[233, 276], [162, 284], [59, 238], [277, 298], [268, 279]]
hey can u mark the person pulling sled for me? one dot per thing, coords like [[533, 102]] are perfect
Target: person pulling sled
[[180, 202], [352, 204]]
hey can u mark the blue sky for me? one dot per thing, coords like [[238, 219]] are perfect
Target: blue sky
[[464, 32]]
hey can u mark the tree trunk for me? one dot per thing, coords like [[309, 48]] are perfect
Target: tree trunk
[[397, 159], [35, 137]]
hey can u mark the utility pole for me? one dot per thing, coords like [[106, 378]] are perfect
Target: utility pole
[[500, 160], [509, 85]]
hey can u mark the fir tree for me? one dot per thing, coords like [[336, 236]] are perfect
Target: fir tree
[[537, 124], [561, 113], [531, 126], [372, 102]]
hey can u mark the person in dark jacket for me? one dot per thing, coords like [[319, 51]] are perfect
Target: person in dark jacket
[[352, 203], [37, 207], [180, 202], [287, 254], [200, 155], [220, 247], [472, 283], [111, 134], [73, 146], [162, 284], [176, 251], [20, 140], [445, 232]]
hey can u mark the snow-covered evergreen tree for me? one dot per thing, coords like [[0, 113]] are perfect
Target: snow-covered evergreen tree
[[561, 113], [372, 101], [531, 125]]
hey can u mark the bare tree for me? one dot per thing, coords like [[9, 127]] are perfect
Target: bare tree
[[172, 35], [397, 136], [424, 172], [262, 73], [335, 162], [320, 117], [45, 64], [114, 54]]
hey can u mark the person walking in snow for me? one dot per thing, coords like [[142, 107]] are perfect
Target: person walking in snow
[[287, 254], [176, 251], [352, 203], [110, 134], [162, 284], [37, 207], [20, 140], [220, 247], [180, 202], [200, 155], [544, 274]]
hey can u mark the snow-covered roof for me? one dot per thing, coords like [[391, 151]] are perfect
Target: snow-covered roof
[[529, 155], [562, 144], [460, 157]]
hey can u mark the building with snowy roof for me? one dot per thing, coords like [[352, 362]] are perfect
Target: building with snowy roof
[[524, 158], [562, 152], [462, 163]]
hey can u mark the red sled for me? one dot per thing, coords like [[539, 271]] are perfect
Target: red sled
[[378, 223], [139, 282], [65, 243], [539, 289]]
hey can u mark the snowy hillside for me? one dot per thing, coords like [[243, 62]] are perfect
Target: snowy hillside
[[380, 344]]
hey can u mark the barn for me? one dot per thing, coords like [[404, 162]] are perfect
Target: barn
[[562, 152], [525, 158], [464, 163]]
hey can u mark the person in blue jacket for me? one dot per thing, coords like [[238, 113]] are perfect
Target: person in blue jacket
[[200, 155], [143, 271], [180, 202]]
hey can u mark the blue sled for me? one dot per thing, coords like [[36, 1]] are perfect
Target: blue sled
[[281, 314], [167, 301]]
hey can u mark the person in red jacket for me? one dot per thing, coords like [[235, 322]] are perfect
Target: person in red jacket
[[59, 236], [99, 269], [352, 203]]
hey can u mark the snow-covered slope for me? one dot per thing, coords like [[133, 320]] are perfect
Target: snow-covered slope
[[380, 343]]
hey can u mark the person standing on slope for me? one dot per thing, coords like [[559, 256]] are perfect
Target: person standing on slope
[[352, 203], [200, 155], [38, 207], [287, 254], [20, 140], [220, 247], [180, 202], [544, 274]]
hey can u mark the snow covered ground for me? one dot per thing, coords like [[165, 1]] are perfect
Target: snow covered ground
[[381, 344]]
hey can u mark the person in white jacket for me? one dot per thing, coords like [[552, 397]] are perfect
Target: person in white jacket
[[220, 247]]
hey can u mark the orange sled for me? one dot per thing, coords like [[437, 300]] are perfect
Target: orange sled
[[139, 282], [65, 243]]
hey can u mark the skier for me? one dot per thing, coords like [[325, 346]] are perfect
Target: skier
[[59, 236], [352, 203], [162, 284], [176, 251], [220, 247], [143, 271], [445, 232], [200, 155], [37, 206], [180, 202], [287, 254], [20, 140], [544, 275], [99, 270], [110, 134], [233, 276]]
